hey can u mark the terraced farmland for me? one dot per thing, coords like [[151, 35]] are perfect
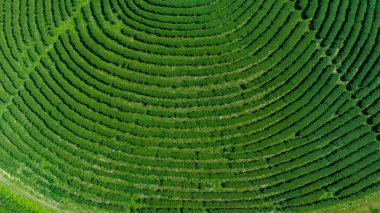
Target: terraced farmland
[[189, 105]]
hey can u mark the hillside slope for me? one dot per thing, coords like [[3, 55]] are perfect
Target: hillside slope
[[189, 105]]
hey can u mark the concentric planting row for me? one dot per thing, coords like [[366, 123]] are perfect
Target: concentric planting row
[[216, 105]]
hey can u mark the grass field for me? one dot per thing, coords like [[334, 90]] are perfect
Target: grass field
[[189, 106]]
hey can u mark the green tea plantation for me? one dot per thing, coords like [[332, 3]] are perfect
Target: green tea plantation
[[189, 106]]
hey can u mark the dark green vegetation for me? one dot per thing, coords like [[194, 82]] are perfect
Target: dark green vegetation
[[189, 105]]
